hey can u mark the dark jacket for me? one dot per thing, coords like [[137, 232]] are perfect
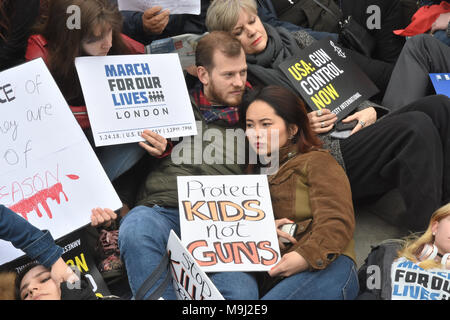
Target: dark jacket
[[22, 15]]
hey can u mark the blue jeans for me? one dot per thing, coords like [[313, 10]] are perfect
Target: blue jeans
[[338, 281], [143, 236], [116, 159], [441, 35]]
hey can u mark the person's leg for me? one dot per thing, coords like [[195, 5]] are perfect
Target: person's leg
[[116, 159], [235, 285], [338, 281], [421, 55], [437, 107], [441, 35], [143, 237], [401, 151]]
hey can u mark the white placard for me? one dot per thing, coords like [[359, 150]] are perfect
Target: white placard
[[126, 94], [189, 281], [227, 222], [49, 173], [174, 6]]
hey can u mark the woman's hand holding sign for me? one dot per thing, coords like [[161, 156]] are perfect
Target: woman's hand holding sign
[[155, 144], [102, 217], [365, 118], [322, 121]]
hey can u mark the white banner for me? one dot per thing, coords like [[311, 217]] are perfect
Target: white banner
[[174, 6], [227, 222], [127, 94], [49, 173], [189, 281]]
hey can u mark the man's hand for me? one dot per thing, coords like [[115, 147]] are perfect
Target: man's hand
[[441, 22], [154, 21], [156, 144]]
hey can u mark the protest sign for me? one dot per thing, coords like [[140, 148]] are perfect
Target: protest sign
[[326, 78], [441, 83], [184, 45], [227, 222], [189, 281], [77, 254], [126, 94], [41, 145], [174, 6], [411, 282]]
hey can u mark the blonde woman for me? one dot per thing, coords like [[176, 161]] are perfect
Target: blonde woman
[[414, 268], [408, 150]]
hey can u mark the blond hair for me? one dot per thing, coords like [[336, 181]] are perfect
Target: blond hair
[[222, 15], [416, 241]]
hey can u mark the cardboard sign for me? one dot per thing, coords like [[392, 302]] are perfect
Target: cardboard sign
[[126, 94], [441, 83], [188, 279], [41, 144], [326, 78], [77, 253], [227, 222], [174, 6]]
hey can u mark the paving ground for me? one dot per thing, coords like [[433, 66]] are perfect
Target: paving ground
[[372, 225]]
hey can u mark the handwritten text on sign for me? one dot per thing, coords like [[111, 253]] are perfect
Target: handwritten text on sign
[[189, 281], [41, 145], [227, 222]]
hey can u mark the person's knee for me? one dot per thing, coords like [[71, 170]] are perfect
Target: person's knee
[[136, 226]]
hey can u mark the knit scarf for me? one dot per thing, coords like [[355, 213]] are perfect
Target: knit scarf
[[281, 45]]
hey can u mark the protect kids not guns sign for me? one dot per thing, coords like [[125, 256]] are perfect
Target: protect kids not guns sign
[[326, 78], [227, 222], [127, 94]]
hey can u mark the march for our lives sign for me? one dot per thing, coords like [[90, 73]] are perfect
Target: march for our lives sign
[[127, 94], [411, 282]]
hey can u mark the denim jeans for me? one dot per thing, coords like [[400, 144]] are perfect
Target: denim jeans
[[116, 159], [143, 236], [338, 281]]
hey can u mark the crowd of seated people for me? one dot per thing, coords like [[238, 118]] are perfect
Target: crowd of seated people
[[399, 139]]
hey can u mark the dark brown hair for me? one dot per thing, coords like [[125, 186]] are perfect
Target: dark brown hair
[[290, 107], [216, 40], [4, 19], [64, 44]]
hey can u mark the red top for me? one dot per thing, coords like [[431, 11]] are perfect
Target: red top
[[422, 20]]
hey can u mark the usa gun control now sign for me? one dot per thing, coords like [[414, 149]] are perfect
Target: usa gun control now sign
[[227, 222], [127, 94], [325, 77]]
